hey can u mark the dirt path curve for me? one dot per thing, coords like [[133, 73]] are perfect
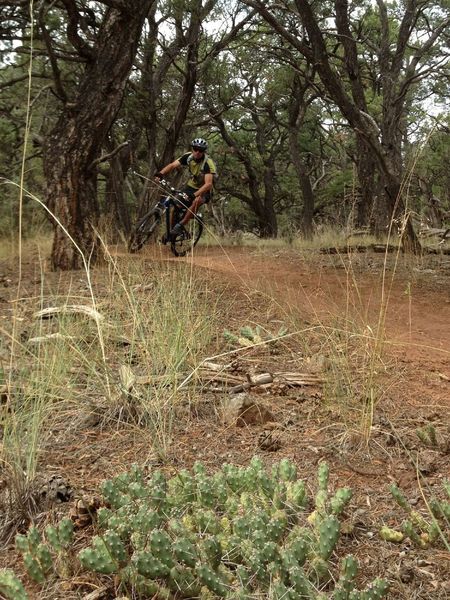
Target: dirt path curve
[[416, 296]]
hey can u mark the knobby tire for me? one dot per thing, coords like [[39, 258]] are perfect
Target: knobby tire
[[144, 230], [180, 246]]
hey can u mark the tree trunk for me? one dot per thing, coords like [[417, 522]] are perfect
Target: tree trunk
[[296, 112], [365, 164], [73, 148], [267, 224], [114, 189], [305, 186], [365, 167]]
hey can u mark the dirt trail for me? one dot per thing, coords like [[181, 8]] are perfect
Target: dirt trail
[[325, 288], [418, 301]]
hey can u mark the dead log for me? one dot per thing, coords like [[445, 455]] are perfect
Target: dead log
[[97, 594], [434, 231]]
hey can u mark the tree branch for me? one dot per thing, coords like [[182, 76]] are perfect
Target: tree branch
[[225, 41], [121, 5], [61, 93], [278, 27], [106, 157], [82, 47], [18, 79]]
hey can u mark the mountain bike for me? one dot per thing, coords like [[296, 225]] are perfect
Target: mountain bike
[[167, 212]]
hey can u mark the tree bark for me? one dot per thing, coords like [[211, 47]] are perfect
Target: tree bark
[[75, 143], [365, 165]]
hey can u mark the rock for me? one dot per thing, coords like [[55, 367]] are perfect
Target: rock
[[241, 410]]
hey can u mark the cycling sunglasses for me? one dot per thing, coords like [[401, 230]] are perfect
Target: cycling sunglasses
[[197, 149]]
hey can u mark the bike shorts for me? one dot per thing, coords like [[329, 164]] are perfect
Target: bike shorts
[[190, 191]]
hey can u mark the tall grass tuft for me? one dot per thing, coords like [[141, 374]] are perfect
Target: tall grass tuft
[[168, 318]]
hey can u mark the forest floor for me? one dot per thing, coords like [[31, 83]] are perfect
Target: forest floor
[[355, 324]]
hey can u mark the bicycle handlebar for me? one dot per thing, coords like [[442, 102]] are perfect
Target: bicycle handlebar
[[180, 196]]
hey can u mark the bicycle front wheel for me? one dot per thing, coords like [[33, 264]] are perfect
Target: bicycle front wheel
[[145, 229], [185, 241]]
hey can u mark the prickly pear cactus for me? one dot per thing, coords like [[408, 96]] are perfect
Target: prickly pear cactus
[[423, 531], [247, 336], [60, 537], [47, 557], [37, 557], [241, 533], [11, 587]]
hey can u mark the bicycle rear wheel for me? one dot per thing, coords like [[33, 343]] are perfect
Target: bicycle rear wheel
[[185, 241], [144, 230]]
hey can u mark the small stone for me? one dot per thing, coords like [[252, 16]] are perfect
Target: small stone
[[243, 411]]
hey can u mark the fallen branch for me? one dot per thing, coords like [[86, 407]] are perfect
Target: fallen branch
[[96, 594], [215, 366], [230, 383], [221, 377], [431, 231], [50, 336], [299, 378], [47, 313], [262, 379]]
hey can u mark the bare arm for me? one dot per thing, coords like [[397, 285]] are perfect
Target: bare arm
[[206, 186], [170, 167]]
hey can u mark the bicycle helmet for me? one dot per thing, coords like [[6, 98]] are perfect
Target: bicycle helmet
[[200, 143]]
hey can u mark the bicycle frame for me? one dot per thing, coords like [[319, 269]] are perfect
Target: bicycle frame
[[171, 210]]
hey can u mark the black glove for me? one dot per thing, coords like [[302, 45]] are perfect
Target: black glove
[[158, 175]]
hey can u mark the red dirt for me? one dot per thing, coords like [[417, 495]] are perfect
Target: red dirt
[[415, 296]]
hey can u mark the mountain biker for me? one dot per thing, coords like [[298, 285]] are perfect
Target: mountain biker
[[199, 186]]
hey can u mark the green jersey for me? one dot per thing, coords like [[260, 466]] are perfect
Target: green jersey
[[198, 169]]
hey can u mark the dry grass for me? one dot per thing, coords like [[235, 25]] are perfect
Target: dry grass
[[153, 324]]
